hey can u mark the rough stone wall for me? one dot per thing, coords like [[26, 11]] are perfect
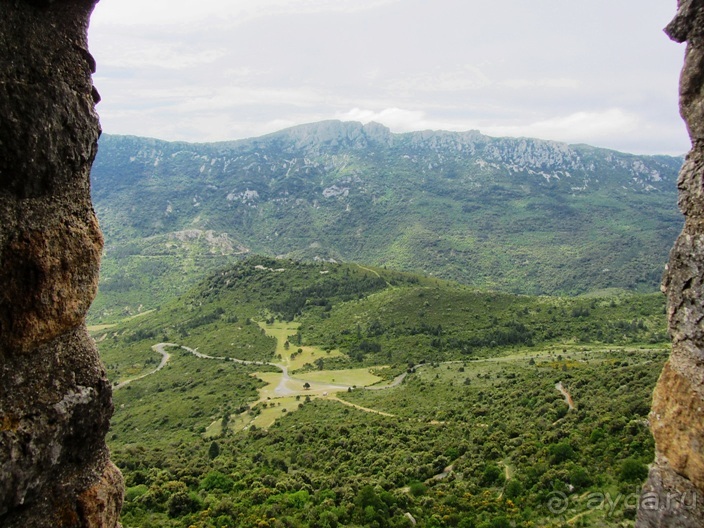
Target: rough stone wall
[[674, 493], [55, 399]]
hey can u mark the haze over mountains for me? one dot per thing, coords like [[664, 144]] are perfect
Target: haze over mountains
[[515, 214]]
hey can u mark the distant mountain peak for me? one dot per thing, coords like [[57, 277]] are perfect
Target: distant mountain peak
[[332, 133]]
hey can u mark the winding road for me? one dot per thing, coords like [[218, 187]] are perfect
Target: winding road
[[165, 357], [287, 385], [365, 409]]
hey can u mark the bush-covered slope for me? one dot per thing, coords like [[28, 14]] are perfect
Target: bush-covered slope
[[377, 316], [477, 433], [518, 215]]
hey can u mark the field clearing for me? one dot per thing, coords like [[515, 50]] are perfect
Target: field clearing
[[100, 327], [277, 386], [280, 391], [106, 326], [273, 411], [264, 417], [213, 430], [360, 377], [272, 380], [281, 332], [484, 372], [309, 355], [478, 374]]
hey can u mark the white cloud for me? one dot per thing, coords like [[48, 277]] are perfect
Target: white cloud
[[613, 127], [577, 127], [401, 120], [164, 55], [161, 13], [397, 119], [467, 77], [590, 127], [558, 83]]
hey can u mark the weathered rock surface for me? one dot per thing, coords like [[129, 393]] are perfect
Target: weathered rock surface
[[674, 492], [55, 399]]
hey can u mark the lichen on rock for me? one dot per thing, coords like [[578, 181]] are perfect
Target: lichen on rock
[[55, 399]]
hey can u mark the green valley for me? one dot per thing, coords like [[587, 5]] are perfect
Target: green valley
[[331, 395]]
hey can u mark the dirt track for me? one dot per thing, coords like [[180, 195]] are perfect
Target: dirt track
[[165, 357], [568, 398]]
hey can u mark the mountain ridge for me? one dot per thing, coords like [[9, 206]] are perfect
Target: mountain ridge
[[521, 215], [332, 132]]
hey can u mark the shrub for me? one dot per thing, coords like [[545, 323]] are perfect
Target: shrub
[[182, 503], [216, 480], [561, 452], [633, 470], [135, 492], [417, 488]]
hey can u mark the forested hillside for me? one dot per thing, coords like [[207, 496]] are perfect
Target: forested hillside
[[518, 215], [292, 394]]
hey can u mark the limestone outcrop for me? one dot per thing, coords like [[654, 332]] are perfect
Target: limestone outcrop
[[674, 493], [55, 399]]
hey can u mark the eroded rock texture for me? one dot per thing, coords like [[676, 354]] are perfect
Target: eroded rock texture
[[674, 492], [55, 400]]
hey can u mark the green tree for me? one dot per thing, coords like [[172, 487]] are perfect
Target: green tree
[[579, 478], [513, 489], [182, 503], [492, 475], [561, 452], [225, 422], [633, 470], [213, 450], [216, 480]]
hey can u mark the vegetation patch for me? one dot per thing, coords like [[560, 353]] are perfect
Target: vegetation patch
[[473, 431], [360, 377]]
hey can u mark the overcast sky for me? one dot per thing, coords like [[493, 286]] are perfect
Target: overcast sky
[[582, 71]]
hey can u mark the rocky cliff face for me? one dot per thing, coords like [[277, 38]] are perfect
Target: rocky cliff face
[[55, 401], [674, 493]]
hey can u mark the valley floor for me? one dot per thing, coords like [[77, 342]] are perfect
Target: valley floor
[[282, 389], [383, 401]]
